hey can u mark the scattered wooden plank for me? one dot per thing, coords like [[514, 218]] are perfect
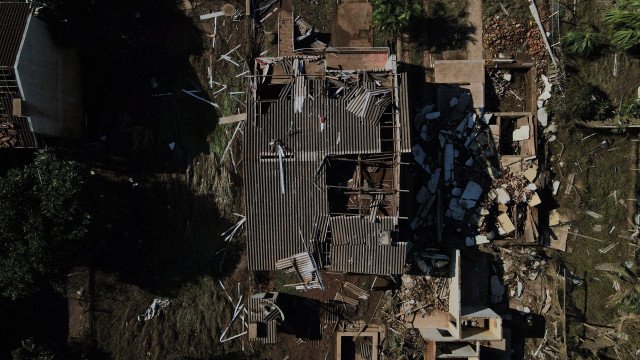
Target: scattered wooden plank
[[233, 118]]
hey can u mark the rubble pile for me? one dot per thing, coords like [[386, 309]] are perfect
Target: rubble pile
[[541, 104], [535, 44], [504, 36], [461, 145], [485, 199], [521, 265], [424, 294], [501, 80]]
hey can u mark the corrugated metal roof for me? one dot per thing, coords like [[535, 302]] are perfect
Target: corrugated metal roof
[[278, 225], [13, 21], [354, 230], [367, 257]]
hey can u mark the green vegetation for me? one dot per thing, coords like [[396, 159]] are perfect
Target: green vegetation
[[29, 350], [627, 298], [43, 222], [581, 101], [395, 16], [623, 33], [444, 27], [583, 43], [631, 109], [624, 21]]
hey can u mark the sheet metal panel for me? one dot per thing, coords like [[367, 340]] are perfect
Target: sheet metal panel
[[369, 258], [353, 230]]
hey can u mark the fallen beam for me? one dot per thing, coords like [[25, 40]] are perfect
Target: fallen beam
[[233, 118]]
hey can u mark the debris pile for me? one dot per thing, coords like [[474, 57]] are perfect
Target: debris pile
[[487, 195], [507, 38], [402, 340], [501, 80], [503, 36], [423, 294], [520, 267]]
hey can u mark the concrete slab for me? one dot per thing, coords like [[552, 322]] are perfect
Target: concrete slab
[[459, 71]]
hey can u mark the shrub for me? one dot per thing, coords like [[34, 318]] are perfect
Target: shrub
[[582, 43], [624, 21], [29, 350]]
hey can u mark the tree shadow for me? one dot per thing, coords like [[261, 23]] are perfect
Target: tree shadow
[[158, 235], [302, 316], [441, 29], [137, 57], [42, 316]]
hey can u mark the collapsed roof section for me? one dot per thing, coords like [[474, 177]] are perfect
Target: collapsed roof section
[[323, 143]]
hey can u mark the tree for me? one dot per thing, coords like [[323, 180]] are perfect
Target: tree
[[42, 222], [395, 16], [583, 43], [624, 21]]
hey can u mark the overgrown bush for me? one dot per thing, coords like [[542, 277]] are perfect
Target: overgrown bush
[[583, 42], [581, 101]]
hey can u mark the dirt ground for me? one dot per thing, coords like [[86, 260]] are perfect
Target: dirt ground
[[164, 194], [598, 173], [353, 26]]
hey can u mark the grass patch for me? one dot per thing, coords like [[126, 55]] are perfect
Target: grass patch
[[599, 171], [280, 279]]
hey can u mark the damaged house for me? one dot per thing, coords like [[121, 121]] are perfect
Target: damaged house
[[460, 323], [40, 85], [323, 139]]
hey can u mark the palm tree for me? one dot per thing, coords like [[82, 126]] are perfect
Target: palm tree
[[624, 21], [395, 16], [582, 42]]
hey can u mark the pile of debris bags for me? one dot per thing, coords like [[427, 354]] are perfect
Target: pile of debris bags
[[423, 294], [458, 154]]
